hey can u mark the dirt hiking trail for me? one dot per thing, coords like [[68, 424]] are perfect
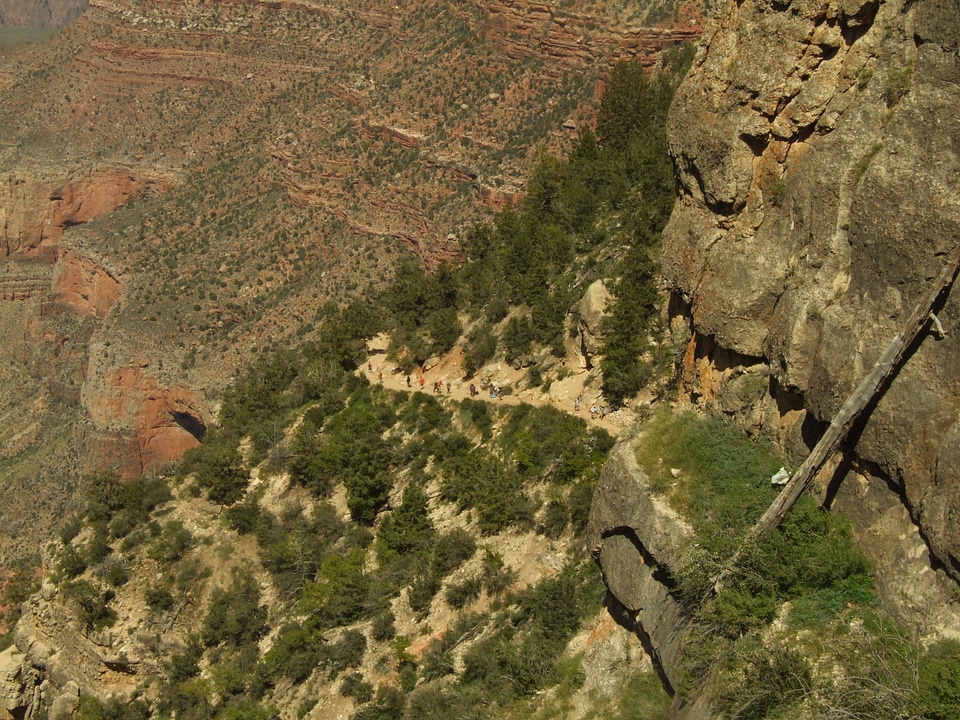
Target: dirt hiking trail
[[448, 371]]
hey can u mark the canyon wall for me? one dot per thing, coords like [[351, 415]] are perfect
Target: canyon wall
[[187, 183], [40, 13], [818, 150]]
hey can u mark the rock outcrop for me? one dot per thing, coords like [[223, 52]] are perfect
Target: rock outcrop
[[818, 148], [634, 536], [85, 285], [40, 13], [150, 423], [591, 309], [35, 210]]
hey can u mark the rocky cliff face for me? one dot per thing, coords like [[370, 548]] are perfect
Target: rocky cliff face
[[818, 148], [40, 13]]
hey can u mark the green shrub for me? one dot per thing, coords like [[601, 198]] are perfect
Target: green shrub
[[938, 682], [383, 628], [496, 576], [89, 708], [643, 698], [480, 481], [460, 594], [444, 328], [480, 349], [71, 563], [407, 531], [724, 484], [218, 467], [338, 595], [115, 572], [159, 599], [452, 550], [897, 85], [296, 653], [184, 663], [555, 519], [345, 653], [387, 704], [778, 192], [355, 686], [235, 615], [70, 528], [91, 605], [517, 338], [174, 541], [770, 678], [355, 452], [476, 413], [422, 590]]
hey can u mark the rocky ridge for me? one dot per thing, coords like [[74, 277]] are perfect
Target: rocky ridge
[[817, 153]]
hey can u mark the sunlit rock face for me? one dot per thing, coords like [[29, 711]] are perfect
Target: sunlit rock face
[[818, 150]]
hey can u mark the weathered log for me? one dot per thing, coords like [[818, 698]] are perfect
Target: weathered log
[[871, 386]]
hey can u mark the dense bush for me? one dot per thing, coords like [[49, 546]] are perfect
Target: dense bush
[[235, 615], [481, 348], [938, 683], [91, 604], [89, 708], [218, 467], [724, 483], [174, 541], [480, 481], [354, 451]]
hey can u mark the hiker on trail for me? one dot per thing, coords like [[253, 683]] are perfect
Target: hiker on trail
[[576, 404], [380, 377], [448, 387], [473, 390], [500, 393], [369, 366], [593, 411], [421, 382], [437, 386], [408, 381], [603, 411]]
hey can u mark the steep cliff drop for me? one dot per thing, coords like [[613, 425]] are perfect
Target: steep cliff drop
[[53, 300], [818, 148]]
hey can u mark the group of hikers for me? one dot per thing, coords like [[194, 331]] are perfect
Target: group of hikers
[[594, 410], [437, 385], [496, 392]]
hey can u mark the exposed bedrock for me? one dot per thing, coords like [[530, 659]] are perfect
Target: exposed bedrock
[[35, 211], [818, 147], [636, 537]]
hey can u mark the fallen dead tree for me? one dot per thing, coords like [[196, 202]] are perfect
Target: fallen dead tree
[[872, 386]]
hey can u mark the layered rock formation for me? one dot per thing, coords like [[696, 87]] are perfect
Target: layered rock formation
[[35, 210], [818, 148]]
